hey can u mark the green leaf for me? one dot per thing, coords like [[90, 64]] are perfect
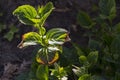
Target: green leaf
[[59, 72], [57, 36], [42, 72], [97, 77], [9, 35], [84, 20], [83, 59], [115, 47], [107, 39], [29, 16], [46, 56], [117, 28], [78, 49], [34, 67], [94, 45], [85, 77], [44, 12], [26, 14], [108, 9], [92, 57], [30, 38], [2, 26]]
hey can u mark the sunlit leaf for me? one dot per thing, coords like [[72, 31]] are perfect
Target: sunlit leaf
[[59, 72], [25, 44], [55, 58], [44, 12], [57, 36], [30, 38], [52, 48], [47, 58], [55, 32], [54, 42], [42, 31], [26, 14], [85, 77]]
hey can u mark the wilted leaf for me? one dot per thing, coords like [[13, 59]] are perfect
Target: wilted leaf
[[30, 38], [46, 56]]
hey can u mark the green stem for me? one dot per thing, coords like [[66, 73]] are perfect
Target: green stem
[[46, 53], [42, 72], [47, 72]]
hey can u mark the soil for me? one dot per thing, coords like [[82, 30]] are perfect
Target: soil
[[63, 16]]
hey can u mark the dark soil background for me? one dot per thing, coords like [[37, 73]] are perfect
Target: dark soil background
[[13, 60]]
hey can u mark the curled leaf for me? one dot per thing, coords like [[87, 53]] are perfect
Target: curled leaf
[[30, 38], [57, 36], [26, 14]]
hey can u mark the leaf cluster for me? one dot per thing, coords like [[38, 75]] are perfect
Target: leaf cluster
[[50, 42], [104, 37]]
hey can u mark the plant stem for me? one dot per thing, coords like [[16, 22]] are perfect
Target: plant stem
[[47, 72]]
